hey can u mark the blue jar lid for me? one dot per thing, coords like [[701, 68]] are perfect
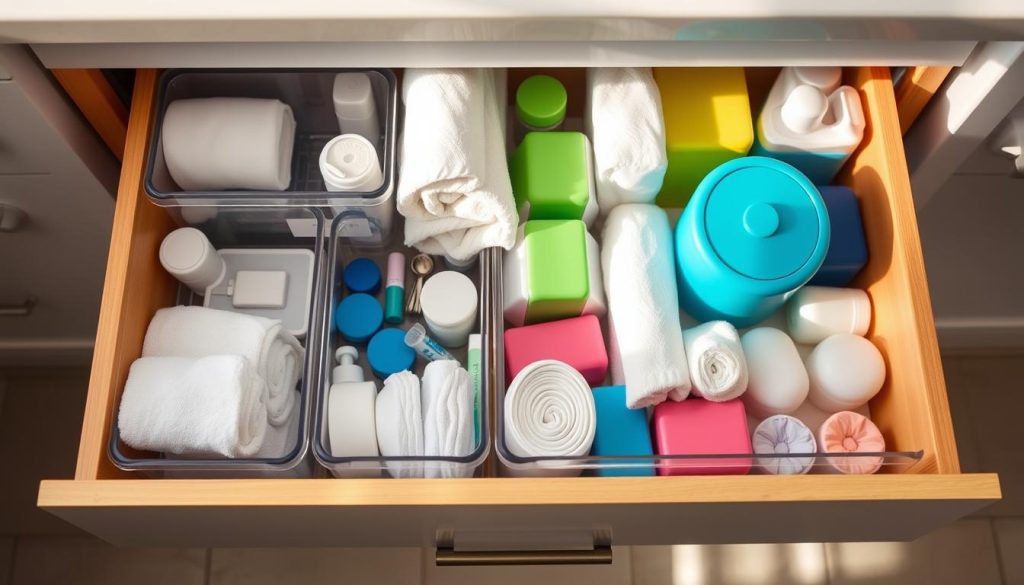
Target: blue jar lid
[[388, 353], [362, 275], [763, 218], [358, 317]]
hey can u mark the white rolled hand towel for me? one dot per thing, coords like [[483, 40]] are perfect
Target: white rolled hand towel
[[646, 354], [199, 332], [549, 412], [454, 188], [218, 143], [782, 434], [400, 423], [718, 368], [209, 406], [280, 440], [446, 398], [625, 125]]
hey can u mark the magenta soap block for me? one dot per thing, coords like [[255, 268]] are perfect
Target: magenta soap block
[[577, 341], [701, 427]]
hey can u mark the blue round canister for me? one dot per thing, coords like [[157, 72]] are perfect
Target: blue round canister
[[755, 231]]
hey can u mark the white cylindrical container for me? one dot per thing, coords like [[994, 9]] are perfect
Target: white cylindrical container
[[449, 304], [349, 163], [817, 312], [777, 379], [460, 265], [845, 372], [355, 107], [187, 254]]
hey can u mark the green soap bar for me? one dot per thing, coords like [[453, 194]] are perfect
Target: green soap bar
[[557, 276], [550, 172]]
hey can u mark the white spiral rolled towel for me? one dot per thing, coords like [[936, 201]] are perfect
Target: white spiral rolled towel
[[718, 368]]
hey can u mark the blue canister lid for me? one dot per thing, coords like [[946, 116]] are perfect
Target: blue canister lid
[[763, 218], [362, 275], [388, 353], [358, 317]]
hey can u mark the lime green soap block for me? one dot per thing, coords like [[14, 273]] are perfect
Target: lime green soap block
[[553, 272], [553, 178]]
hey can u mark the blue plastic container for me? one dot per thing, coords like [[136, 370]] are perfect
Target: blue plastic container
[[755, 231], [847, 248]]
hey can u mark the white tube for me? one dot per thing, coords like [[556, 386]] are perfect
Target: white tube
[[187, 254]]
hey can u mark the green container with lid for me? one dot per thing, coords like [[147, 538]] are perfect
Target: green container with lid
[[540, 102]]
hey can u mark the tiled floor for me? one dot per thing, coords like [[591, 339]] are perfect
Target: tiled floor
[[985, 549]]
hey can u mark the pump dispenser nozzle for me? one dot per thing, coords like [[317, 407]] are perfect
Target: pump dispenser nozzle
[[347, 370]]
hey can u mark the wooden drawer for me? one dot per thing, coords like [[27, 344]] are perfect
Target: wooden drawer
[[911, 410]]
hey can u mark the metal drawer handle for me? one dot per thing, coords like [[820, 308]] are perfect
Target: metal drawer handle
[[22, 310], [449, 557]]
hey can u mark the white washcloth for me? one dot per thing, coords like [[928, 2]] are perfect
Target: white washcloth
[[199, 332], [626, 127], [782, 434], [229, 143], [454, 188], [549, 412], [447, 402], [208, 406], [400, 423], [718, 368], [646, 341], [280, 440]]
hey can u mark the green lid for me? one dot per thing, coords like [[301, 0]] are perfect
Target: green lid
[[540, 101]]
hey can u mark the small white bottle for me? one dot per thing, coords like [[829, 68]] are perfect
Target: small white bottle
[[818, 312], [351, 408], [349, 163], [355, 107], [187, 254]]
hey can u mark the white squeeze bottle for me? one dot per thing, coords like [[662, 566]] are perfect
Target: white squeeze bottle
[[351, 412]]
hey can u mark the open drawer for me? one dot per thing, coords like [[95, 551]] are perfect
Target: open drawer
[[911, 410]]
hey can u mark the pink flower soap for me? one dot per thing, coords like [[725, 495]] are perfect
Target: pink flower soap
[[702, 427], [577, 341]]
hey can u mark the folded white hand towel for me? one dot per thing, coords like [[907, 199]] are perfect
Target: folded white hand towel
[[400, 423], [199, 332], [626, 127], [718, 368], [646, 341], [447, 402], [229, 143], [280, 440], [549, 412], [209, 406], [454, 188], [782, 434]]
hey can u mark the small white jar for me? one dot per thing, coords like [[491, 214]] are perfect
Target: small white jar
[[449, 304], [817, 312], [187, 254], [349, 163], [845, 372]]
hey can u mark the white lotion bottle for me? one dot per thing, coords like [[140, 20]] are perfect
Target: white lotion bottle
[[187, 254], [351, 408], [818, 312], [355, 107]]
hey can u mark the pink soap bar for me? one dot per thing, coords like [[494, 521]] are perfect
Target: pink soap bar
[[577, 342], [701, 427]]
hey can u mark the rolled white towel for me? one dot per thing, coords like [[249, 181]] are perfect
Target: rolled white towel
[[454, 188], [209, 406], [198, 332], [718, 368], [447, 403], [218, 143], [782, 434], [280, 440], [646, 354], [400, 423], [549, 412], [625, 125]]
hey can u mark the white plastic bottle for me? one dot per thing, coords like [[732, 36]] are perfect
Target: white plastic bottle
[[355, 106], [815, 313], [351, 408]]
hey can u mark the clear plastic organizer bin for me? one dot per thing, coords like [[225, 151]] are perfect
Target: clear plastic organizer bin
[[309, 93], [253, 228], [341, 251]]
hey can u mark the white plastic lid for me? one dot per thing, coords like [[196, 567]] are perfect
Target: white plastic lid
[[184, 249], [351, 156], [861, 317], [448, 299], [347, 370]]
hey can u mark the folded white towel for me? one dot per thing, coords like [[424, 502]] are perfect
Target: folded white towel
[[209, 406], [779, 435], [626, 127], [400, 423], [549, 412], [454, 188], [229, 143], [447, 403], [646, 342], [718, 368], [280, 440], [199, 332]]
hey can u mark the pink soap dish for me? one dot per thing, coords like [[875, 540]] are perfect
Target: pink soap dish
[[701, 427], [577, 341]]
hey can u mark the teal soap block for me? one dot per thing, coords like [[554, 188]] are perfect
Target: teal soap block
[[620, 431], [553, 177], [847, 249]]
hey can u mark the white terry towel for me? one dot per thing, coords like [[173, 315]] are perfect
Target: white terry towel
[[280, 440], [229, 143], [208, 406], [549, 412], [454, 188], [718, 368], [782, 434], [400, 423], [626, 127], [198, 332], [447, 403], [646, 341]]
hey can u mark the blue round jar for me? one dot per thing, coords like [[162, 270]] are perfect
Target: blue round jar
[[755, 231], [358, 317]]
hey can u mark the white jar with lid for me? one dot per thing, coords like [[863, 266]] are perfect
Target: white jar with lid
[[818, 312], [449, 304]]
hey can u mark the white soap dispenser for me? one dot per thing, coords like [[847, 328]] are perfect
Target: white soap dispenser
[[351, 408]]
